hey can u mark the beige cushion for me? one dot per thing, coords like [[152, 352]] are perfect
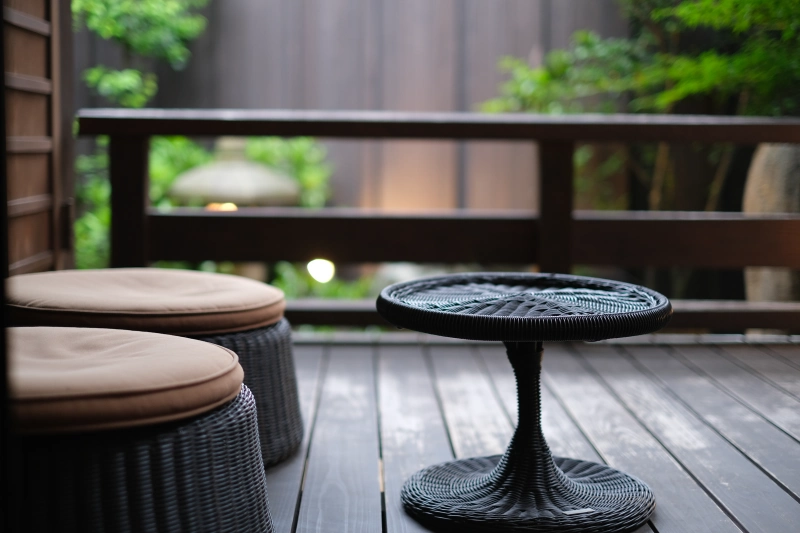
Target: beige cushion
[[178, 302], [78, 379]]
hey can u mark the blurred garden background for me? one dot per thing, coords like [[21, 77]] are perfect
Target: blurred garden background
[[711, 57]]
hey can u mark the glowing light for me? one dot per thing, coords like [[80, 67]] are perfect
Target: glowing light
[[227, 206], [321, 270]]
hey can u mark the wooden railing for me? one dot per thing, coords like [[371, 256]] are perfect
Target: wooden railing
[[555, 238]]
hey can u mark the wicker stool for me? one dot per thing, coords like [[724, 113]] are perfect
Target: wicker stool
[[117, 431], [526, 489], [238, 313]]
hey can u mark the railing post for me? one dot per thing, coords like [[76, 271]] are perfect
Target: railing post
[[555, 206], [128, 156]]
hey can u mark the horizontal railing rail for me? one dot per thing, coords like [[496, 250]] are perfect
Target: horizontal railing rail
[[396, 125], [622, 238], [555, 237]]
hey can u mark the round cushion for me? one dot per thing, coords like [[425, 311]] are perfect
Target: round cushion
[[80, 379], [524, 307], [178, 302]]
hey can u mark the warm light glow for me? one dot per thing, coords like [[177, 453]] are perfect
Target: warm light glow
[[321, 270], [227, 206]]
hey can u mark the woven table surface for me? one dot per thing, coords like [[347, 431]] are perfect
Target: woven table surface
[[524, 307]]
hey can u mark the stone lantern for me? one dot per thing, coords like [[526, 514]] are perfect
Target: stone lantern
[[232, 179], [230, 182]]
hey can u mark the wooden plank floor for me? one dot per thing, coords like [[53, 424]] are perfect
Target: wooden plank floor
[[712, 424]]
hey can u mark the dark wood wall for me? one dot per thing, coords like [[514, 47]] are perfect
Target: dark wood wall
[[38, 133], [409, 55]]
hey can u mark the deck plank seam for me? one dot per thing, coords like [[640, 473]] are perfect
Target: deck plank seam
[[323, 371], [592, 371], [755, 372], [545, 382], [426, 356], [699, 371], [674, 395], [479, 359], [782, 358], [378, 420]]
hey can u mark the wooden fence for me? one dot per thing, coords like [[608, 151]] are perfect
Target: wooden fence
[[556, 237], [393, 55]]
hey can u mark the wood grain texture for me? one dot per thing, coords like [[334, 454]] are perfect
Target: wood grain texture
[[780, 373], [23, 20], [437, 125], [29, 145], [413, 434], [341, 490], [760, 441], [27, 236], [25, 52], [33, 84], [773, 404], [476, 420], [30, 205], [34, 168], [27, 114], [34, 263], [419, 69], [621, 440], [497, 175], [284, 479], [720, 467], [35, 8]]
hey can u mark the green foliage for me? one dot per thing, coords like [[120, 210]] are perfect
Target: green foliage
[[295, 281], [169, 158], [92, 226], [154, 29], [128, 87], [159, 29], [302, 158], [755, 57]]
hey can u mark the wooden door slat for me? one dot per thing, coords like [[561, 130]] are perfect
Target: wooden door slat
[[682, 505], [764, 507], [30, 205], [763, 443], [477, 423], [35, 263], [413, 434], [341, 489], [26, 21], [32, 84], [284, 479], [773, 404], [29, 145]]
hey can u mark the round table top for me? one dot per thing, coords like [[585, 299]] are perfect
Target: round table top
[[524, 307]]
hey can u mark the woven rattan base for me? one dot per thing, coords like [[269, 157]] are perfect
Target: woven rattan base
[[474, 495], [527, 489], [201, 475], [266, 356]]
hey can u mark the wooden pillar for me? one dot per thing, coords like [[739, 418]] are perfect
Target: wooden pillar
[[555, 206], [128, 157]]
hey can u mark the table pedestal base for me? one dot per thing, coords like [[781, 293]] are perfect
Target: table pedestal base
[[527, 489]]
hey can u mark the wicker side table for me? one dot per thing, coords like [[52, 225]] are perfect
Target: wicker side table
[[526, 488]]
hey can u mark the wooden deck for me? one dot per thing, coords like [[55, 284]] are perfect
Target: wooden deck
[[712, 424]]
